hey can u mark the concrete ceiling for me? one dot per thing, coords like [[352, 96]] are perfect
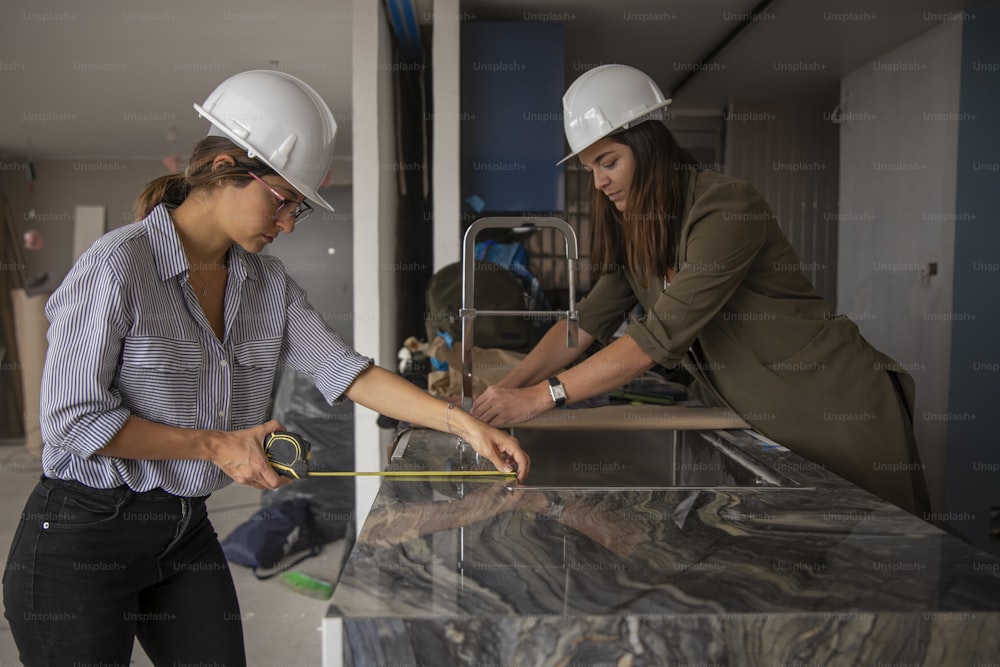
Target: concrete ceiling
[[116, 79], [110, 79]]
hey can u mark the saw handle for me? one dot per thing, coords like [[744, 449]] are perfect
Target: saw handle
[[288, 454]]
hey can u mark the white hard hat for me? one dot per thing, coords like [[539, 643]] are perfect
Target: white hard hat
[[279, 120], [607, 99]]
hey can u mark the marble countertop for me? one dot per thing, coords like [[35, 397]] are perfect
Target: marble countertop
[[819, 570]]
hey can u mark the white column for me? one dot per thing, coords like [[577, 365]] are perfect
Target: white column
[[374, 217], [446, 196]]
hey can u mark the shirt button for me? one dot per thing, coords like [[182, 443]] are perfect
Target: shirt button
[[223, 363], [222, 413]]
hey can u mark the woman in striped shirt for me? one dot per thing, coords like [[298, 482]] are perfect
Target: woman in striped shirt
[[164, 342]]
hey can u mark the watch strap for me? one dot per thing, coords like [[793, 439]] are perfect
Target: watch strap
[[557, 391]]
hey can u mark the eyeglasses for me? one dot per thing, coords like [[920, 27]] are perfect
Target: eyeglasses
[[298, 210]]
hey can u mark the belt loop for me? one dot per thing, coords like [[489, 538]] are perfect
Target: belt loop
[[126, 498]]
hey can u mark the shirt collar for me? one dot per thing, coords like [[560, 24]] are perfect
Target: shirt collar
[[169, 255]]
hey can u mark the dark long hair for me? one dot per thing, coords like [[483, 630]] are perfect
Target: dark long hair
[[173, 189], [644, 237]]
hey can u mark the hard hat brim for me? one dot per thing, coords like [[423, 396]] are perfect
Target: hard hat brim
[[219, 129], [648, 115]]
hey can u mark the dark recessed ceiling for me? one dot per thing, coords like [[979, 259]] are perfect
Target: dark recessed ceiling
[[793, 50], [116, 79]]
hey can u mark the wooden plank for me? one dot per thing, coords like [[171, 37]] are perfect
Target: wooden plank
[[637, 417]]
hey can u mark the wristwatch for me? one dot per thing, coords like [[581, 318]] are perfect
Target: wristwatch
[[558, 391]]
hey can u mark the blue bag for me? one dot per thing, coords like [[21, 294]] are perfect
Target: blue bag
[[271, 533], [514, 257]]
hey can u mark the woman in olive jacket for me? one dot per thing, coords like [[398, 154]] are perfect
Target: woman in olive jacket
[[722, 293]]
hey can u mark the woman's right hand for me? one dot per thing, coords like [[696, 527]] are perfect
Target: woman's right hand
[[499, 406], [240, 454], [501, 448]]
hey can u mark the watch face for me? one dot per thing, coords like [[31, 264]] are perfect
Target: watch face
[[557, 391]]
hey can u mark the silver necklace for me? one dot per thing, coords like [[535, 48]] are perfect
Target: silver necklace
[[205, 284]]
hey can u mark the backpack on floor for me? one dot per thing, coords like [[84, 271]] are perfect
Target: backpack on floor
[[272, 533], [496, 289]]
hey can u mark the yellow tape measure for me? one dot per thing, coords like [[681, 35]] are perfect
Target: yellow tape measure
[[288, 454], [416, 473]]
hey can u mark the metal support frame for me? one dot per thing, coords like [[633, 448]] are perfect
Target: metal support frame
[[468, 312]]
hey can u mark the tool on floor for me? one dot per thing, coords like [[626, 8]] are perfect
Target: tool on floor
[[306, 585], [288, 454]]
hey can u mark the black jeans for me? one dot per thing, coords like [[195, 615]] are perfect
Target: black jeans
[[92, 569]]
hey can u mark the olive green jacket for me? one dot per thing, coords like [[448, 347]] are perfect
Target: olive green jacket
[[742, 317]]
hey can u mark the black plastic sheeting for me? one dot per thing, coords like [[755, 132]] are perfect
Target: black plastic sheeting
[[300, 408]]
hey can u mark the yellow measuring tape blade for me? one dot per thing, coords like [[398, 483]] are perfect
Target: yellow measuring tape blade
[[416, 473]]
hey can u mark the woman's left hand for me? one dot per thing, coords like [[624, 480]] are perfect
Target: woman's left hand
[[391, 395], [498, 406]]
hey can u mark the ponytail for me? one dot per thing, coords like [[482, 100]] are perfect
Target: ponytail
[[173, 189]]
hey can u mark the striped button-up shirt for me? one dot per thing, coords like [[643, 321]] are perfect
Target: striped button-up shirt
[[128, 337]]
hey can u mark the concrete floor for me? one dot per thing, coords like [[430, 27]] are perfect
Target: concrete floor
[[281, 627]]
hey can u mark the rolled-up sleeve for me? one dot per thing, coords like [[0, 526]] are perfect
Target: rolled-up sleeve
[[728, 228], [81, 409], [312, 348], [607, 304]]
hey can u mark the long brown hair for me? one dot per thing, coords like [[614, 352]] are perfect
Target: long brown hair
[[643, 237], [173, 189]]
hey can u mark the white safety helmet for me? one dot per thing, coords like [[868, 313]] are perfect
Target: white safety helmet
[[279, 120], [605, 100]]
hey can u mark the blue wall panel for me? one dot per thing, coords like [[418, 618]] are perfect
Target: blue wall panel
[[974, 417], [512, 133]]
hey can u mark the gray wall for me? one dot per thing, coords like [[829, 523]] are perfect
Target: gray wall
[[319, 257], [789, 153], [62, 185], [897, 202]]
